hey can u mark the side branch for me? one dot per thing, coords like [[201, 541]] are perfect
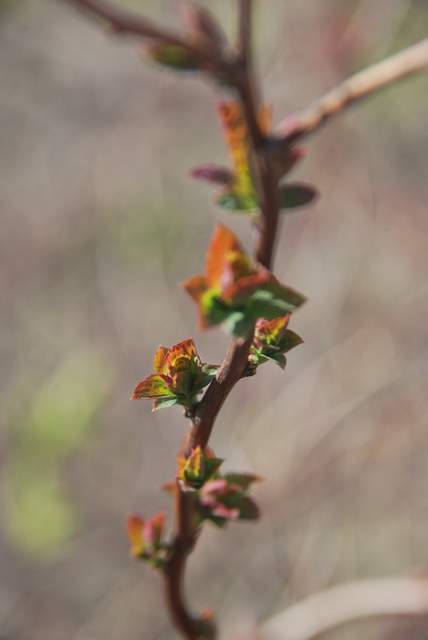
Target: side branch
[[125, 22], [405, 63], [348, 602]]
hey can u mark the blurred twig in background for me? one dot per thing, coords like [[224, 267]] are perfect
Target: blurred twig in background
[[346, 603], [362, 84]]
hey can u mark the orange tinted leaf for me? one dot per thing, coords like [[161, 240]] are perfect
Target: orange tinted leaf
[[169, 487], [159, 359], [195, 286], [223, 242], [153, 529], [265, 118], [272, 328], [154, 386], [135, 528], [236, 135], [246, 285], [233, 122], [184, 348]]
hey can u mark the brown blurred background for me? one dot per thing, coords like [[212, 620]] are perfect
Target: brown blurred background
[[100, 222]]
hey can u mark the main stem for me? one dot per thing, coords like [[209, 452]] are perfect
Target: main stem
[[240, 74], [235, 362]]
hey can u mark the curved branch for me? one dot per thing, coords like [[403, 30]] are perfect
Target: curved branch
[[405, 63], [235, 362], [183, 544], [348, 602]]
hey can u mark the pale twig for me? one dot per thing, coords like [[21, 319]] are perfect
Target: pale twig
[[405, 63], [348, 602]]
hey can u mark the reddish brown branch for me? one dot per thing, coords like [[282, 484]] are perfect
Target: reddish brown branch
[[245, 30], [230, 373], [174, 573], [236, 359]]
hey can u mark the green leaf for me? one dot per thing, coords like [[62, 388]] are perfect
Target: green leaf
[[172, 56], [297, 195], [239, 324], [248, 510], [279, 359], [235, 202], [210, 369], [164, 403], [262, 304], [212, 465], [242, 480], [218, 522], [214, 309], [289, 341], [291, 298]]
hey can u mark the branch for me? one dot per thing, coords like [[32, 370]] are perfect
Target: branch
[[236, 359], [125, 22], [348, 602], [245, 30], [206, 412], [183, 544], [405, 63]]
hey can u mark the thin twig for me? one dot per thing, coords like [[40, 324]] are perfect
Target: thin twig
[[245, 31], [125, 22], [348, 602], [405, 63]]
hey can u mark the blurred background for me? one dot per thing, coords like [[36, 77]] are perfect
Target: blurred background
[[101, 222]]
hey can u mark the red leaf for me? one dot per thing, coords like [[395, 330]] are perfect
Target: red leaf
[[195, 286], [246, 285], [213, 173], [223, 242], [184, 348]]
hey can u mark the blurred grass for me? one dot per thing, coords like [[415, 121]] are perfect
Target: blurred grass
[[40, 517]]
